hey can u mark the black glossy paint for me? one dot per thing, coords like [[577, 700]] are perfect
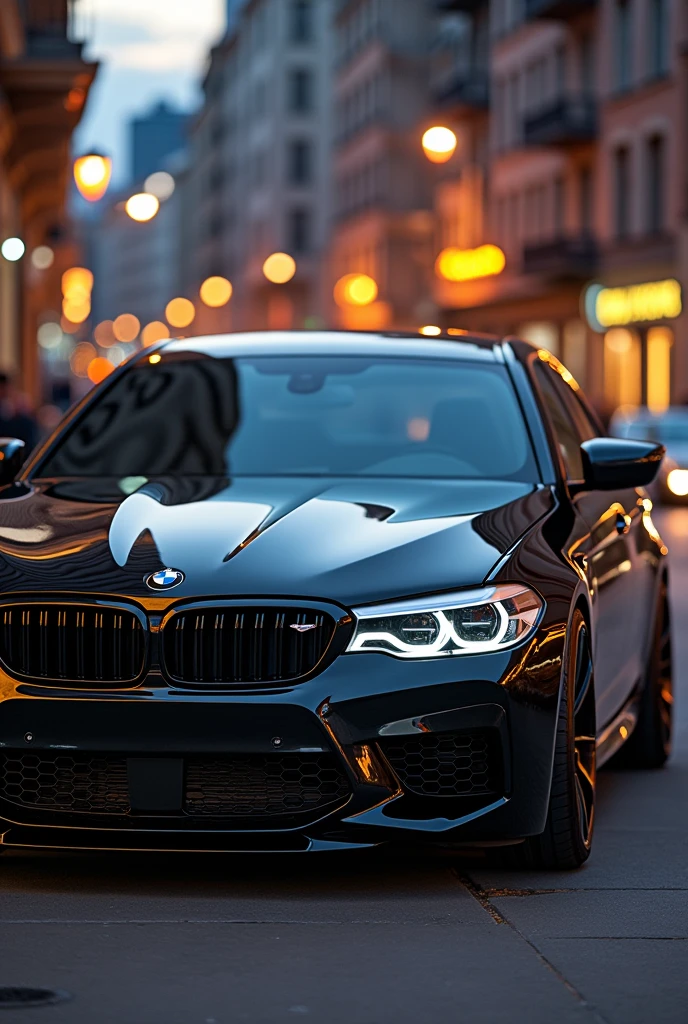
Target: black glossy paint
[[339, 543]]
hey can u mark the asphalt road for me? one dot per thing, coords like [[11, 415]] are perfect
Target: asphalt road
[[368, 938]]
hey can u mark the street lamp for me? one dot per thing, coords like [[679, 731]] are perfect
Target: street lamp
[[142, 207], [92, 173], [439, 144]]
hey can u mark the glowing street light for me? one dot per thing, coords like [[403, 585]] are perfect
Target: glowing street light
[[470, 264], [439, 144], [153, 332], [142, 207], [180, 312], [13, 249], [279, 268], [355, 290], [92, 173], [126, 327], [160, 184], [216, 291]]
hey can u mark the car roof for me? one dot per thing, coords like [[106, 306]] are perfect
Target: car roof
[[459, 345]]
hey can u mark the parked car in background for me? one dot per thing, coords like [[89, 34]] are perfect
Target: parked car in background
[[669, 428]]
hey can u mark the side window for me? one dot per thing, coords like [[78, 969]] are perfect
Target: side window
[[570, 421]]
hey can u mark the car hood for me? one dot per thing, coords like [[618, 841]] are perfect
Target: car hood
[[351, 541]]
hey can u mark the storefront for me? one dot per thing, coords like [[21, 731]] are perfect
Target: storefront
[[637, 324]]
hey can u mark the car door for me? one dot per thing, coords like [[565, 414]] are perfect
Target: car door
[[612, 553]]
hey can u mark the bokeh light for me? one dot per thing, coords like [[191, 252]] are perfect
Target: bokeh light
[[180, 312], [83, 354], [104, 333], [216, 291], [49, 335], [431, 331], [355, 290], [76, 310], [98, 369], [126, 327], [142, 207], [469, 264], [154, 332], [67, 326], [155, 358], [439, 144], [77, 279], [279, 268], [92, 174], [160, 184], [13, 249], [116, 355], [43, 257]]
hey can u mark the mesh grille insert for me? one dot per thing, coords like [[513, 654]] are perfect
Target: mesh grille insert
[[447, 764]]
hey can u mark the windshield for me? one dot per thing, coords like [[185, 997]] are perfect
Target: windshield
[[190, 414]]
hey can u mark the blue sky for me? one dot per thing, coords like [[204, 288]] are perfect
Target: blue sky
[[150, 50]]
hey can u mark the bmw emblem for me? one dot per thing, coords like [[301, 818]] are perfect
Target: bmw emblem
[[165, 579]]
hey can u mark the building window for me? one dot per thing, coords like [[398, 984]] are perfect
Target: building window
[[559, 207], [586, 200], [299, 230], [301, 26], [300, 91], [587, 64], [622, 37], [658, 38], [658, 361], [622, 172], [623, 368], [560, 71], [300, 161], [655, 184]]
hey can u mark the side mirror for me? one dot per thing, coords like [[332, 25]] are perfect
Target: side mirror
[[12, 455], [614, 463]]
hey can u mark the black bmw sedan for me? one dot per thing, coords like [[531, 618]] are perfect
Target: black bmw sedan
[[302, 591]]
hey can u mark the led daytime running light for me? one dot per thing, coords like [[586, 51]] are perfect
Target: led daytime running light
[[523, 613]]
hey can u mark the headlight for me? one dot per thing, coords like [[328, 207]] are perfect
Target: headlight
[[475, 621]]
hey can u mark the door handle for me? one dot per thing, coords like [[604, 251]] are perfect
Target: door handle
[[622, 522]]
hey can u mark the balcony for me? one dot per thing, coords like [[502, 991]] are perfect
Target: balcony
[[572, 258], [567, 122], [459, 6], [653, 254], [49, 27], [558, 10], [462, 91]]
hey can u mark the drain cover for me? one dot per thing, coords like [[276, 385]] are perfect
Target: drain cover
[[14, 997]]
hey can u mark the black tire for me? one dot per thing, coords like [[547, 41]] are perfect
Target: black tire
[[649, 745], [567, 838]]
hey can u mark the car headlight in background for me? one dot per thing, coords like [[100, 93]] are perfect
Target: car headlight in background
[[677, 482], [472, 622]]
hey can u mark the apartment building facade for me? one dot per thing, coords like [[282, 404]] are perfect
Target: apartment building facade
[[579, 159], [258, 180], [44, 84], [382, 220]]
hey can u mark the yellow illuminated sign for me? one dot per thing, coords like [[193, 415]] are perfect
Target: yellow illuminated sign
[[469, 264], [637, 303]]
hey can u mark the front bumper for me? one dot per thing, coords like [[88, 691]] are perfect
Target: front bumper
[[350, 712]]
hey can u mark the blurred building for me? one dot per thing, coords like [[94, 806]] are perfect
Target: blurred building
[[156, 136], [382, 224], [44, 83], [570, 117], [259, 172]]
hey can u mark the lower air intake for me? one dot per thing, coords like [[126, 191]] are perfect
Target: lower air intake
[[447, 764]]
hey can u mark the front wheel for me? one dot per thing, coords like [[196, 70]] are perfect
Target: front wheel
[[567, 838]]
